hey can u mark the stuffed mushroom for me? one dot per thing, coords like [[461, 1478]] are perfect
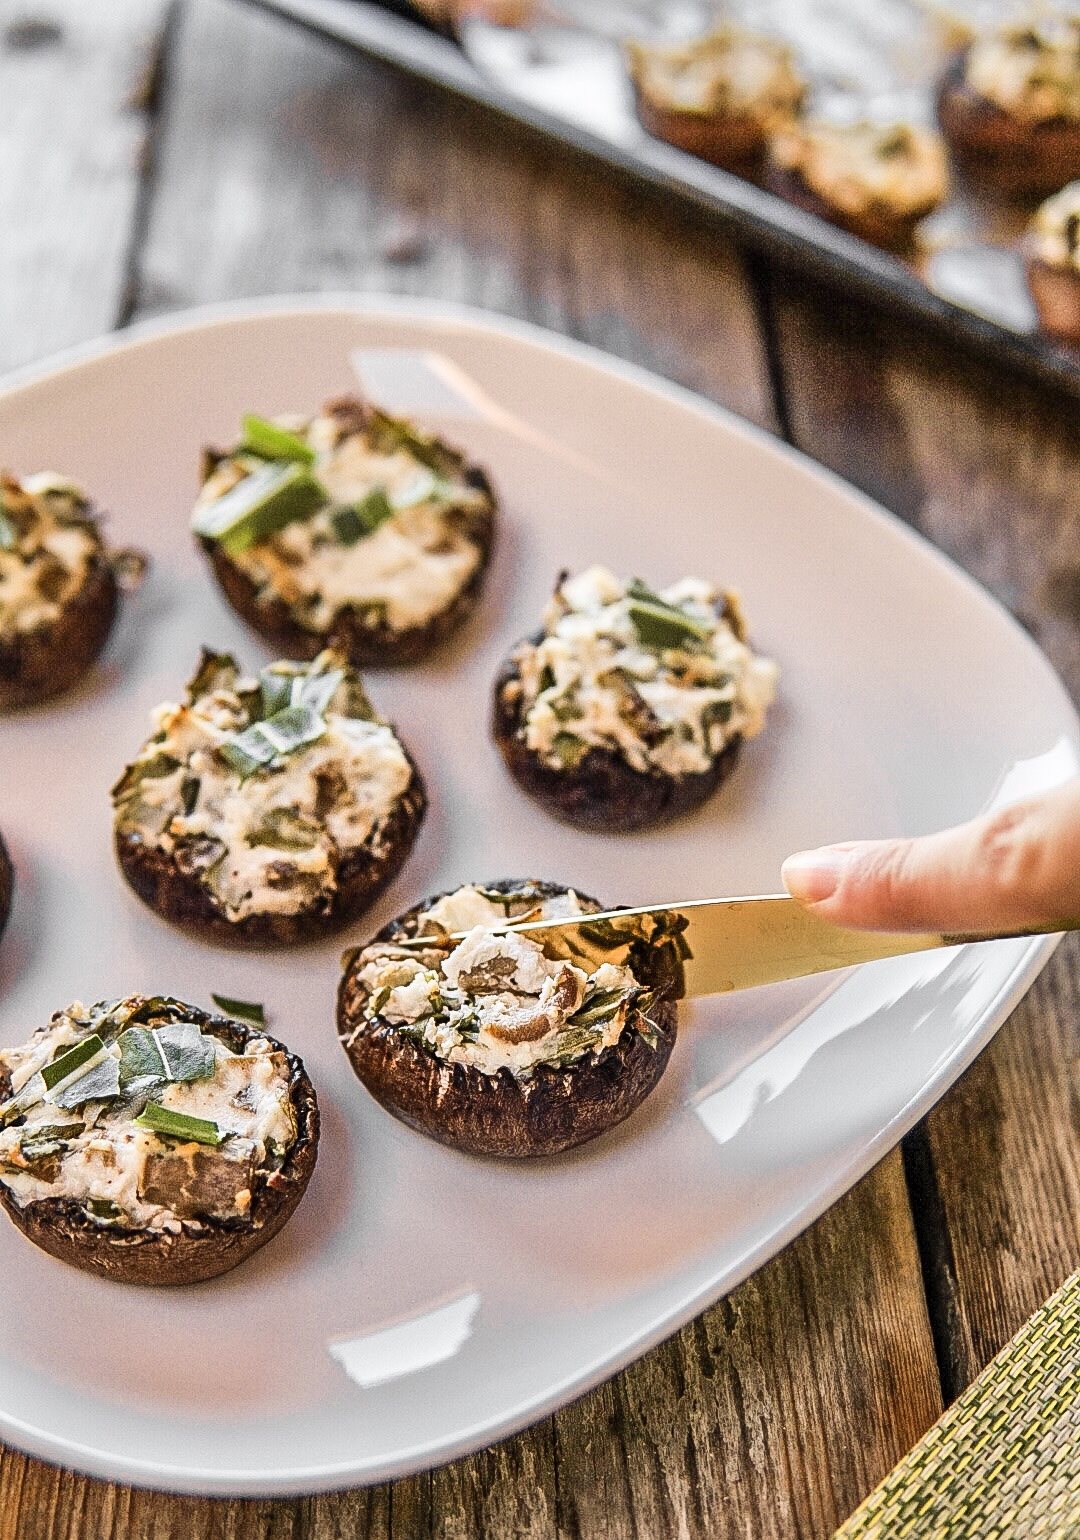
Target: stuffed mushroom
[[351, 529], [149, 1142], [500, 1046], [876, 180], [59, 587], [1053, 264], [7, 884], [718, 97], [1009, 106], [630, 706], [267, 809]]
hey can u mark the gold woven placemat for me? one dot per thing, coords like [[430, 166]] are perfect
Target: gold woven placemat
[[1003, 1463]]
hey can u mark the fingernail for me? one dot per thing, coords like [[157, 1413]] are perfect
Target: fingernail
[[814, 875]]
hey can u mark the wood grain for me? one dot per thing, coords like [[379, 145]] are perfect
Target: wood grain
[[987, 468], [73, 132]]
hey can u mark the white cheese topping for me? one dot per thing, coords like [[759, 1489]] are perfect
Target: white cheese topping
[[270, 841], [859, 166], [95, 1152], [730, 72], [1031, 72], [597, 679], [1056, 229], [498, 1001], [407, 570], [47, 544]]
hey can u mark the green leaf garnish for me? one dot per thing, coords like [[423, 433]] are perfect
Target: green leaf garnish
[[601, 1007], [276, 691], [659, 626], [272, 442], [353, 521], [176, 1052], [241, 1010], [66, 1064], [178, 1125], [263, 742], [277, 494], [100, 1083]]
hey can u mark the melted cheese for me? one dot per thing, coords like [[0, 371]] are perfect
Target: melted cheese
[[362, 762], [411, 568], [860, 166], [56, 543], [1030, 72], [591, 678], [1056, 229], [248, 1097], [731, 72], [496, 1001]]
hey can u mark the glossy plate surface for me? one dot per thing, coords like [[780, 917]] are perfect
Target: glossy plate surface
[[422, 1303]]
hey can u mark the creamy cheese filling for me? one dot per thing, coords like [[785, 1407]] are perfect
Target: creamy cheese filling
[[1031, 72], [47, 544], [601, 678], [731, 72], [267, 839], [54, 1145], [860, 166], [498, 1001], [407, 570], [1056, 229]]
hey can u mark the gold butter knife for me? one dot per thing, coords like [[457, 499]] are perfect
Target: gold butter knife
[[738, 943]]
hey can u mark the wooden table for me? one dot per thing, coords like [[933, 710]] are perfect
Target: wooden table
[[155, 155]]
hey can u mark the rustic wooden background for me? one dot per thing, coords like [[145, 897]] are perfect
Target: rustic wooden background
[[156, 155]]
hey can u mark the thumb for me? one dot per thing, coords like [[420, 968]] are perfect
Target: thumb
[[1016, 868]]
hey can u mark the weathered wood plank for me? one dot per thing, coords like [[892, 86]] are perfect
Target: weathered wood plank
[[73, 133], [988, 468]]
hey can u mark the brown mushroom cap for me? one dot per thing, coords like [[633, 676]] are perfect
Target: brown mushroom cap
[[603, 792], [551, 1109], [7, 884], [880, 226], [1012, 157], [735, 142], [50, 660], [61, 1227], [365, 645], [362, 875]]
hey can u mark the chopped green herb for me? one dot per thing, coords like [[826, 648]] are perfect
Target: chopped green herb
[[353, 521], [178, 1125], [277, 494], [546, 681], [601, 1007], [569, 750], [189, 794], [284, 828], [660, 626], [104, 1208], [272, 442], [176, 1052], [276, 690], [263, 742], [67, 1063], [241, 1010], [100, 1083]]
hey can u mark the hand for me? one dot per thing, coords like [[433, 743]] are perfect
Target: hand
[[1009, 870]]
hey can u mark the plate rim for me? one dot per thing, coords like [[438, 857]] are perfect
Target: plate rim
[[282, 1482]]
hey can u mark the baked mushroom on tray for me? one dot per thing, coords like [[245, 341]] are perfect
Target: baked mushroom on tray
[[149, 1142], [59, 587], [719, 97], [1053, 264], [498, 1045], [267, 809], [352, 529], [1009, 106], [630, 705], [876, 180]]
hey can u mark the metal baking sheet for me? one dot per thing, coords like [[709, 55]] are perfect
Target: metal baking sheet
[[563, 75]]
